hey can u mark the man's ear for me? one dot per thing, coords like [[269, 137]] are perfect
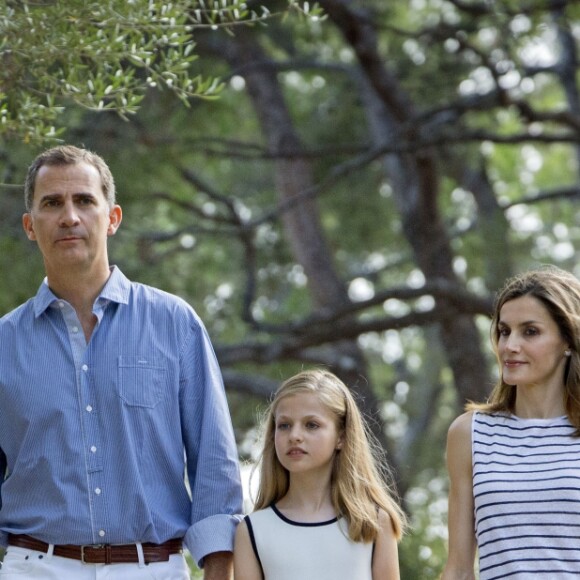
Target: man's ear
[[28, 226], [115, 219]]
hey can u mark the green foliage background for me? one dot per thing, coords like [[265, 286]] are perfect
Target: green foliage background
[[197, 182]]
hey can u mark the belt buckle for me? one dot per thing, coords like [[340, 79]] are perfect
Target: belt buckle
[[97, 546]]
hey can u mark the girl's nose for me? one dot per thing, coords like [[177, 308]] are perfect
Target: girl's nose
[[296, 434]]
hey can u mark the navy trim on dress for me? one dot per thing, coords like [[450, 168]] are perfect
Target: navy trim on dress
[[305, 524], [253, 540]]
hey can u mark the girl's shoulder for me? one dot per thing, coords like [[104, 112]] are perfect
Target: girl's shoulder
[[260, 515], [385, 521]]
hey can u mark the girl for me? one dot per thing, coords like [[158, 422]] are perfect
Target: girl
[[322, 510], [513, 461]]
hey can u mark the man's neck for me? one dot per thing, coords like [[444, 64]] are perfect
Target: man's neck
[[80, 290]]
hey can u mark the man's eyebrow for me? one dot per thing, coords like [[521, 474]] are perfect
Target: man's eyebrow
[[59, 195], [49, 196]]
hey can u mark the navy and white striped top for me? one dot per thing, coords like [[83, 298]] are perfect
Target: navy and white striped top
[[526, 482]]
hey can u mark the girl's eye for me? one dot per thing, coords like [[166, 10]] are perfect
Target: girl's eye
[[531, 331], [312, 425], [282, 426], [504, 332]]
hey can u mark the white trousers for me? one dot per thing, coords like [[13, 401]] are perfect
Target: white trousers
[[24, 564]]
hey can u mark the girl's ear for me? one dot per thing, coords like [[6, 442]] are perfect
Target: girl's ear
[[339, 443]]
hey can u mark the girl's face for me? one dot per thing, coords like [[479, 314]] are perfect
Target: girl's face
[[530, 346], [306, 435]]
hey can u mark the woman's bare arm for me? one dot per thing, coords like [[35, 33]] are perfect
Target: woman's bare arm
[[461, 524]]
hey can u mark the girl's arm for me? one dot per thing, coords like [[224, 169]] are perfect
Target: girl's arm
[[462, 545], [246, 566], [386, 554]]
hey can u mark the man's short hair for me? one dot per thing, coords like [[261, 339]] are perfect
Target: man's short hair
[[69, 155]]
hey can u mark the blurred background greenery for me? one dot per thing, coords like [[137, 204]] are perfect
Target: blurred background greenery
[[344, 184]]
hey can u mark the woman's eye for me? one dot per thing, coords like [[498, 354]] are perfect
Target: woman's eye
[[312, 425], [282, 426]]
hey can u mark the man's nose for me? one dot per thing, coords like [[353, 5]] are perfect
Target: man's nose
[[69, 215]]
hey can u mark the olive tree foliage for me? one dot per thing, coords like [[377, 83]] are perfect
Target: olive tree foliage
[[103, 55]]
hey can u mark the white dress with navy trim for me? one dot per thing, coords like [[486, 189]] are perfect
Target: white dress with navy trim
[[526, 485], [288, 550]]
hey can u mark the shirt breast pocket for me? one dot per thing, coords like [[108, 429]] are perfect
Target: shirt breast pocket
[[142, 380]]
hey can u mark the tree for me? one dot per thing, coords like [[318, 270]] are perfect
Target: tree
[[102, 56], [355, 197]]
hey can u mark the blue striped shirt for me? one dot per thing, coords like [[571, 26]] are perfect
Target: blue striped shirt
[[526, 485], [93, 437]]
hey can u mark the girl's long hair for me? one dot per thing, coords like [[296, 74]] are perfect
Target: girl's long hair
[[359, 480], [559, 292]]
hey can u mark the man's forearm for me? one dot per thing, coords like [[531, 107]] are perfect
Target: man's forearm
[[218, 566]]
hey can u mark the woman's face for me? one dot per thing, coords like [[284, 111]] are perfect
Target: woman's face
[[530, 346]]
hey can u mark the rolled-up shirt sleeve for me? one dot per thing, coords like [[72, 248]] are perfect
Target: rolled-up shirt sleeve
[[211, 453]]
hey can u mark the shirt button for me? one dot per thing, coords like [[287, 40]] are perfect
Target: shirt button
[[89, 408], [101, 533], [93, 449], [61, 304], [85, 368], [75, 328], [98, 490]]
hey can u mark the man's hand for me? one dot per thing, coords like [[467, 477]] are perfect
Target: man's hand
[[218, 566]]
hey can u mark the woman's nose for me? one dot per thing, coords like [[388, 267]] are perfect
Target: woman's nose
[[512, 342]]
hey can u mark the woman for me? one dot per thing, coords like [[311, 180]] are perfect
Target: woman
[[514, 461]]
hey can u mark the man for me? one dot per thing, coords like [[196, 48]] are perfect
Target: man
[[109, 393]]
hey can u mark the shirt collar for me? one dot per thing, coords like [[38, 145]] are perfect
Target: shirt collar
[[116, 289]]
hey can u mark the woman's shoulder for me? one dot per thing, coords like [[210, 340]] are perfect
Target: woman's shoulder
[[462, 425], [459, 437]]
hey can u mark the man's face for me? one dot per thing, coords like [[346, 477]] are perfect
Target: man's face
[[70, 218]]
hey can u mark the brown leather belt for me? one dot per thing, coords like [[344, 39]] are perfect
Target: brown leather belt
[[102, 553]]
